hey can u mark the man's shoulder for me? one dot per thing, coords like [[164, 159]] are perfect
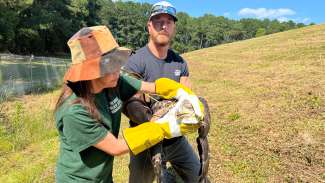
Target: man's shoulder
[[139, 53], [175, 56], [137, 60]]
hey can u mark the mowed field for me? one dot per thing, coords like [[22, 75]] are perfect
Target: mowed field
[[267, 102]]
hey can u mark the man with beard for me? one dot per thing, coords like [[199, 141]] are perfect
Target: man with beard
[[151, 62]]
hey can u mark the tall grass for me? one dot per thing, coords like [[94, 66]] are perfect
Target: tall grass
[[28, 138], [267, 97]]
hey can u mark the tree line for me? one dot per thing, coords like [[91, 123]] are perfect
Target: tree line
[[42, 27]]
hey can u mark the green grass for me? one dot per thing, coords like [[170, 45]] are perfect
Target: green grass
[[267, 102], [28, 139], [36, 163]]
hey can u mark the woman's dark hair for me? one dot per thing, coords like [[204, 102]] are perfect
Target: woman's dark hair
[[82, 90]]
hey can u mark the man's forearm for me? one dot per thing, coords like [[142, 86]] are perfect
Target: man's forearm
[[148, 87], [185, 81]]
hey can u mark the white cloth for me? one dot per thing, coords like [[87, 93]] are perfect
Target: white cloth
[[179, 114], [193, 99]]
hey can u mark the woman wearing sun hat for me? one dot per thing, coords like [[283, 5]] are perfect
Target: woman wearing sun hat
[[88, 111]]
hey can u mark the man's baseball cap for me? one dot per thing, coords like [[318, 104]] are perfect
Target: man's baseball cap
[[163, 7]]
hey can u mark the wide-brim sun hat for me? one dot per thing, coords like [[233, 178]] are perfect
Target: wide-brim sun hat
[[163, 7], [94, 53]]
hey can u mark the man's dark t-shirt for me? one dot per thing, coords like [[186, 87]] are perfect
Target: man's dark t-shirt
[[151, 68]]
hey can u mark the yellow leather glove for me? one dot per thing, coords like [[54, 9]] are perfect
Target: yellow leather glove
[[143, 136], [169, 89], [148, 134]]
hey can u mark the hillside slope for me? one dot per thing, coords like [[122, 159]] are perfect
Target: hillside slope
[[268, 104], [267, 98]]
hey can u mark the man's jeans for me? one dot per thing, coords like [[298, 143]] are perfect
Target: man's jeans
[[179, 153]]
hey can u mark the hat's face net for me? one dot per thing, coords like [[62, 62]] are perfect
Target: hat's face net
[[113, 61]]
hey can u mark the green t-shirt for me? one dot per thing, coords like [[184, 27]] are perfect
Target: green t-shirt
[[78, 160]]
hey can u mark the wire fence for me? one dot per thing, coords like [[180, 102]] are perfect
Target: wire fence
[[21, 75]]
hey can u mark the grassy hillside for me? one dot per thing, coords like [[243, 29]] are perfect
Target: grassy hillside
[[267, 98], [268, 106]]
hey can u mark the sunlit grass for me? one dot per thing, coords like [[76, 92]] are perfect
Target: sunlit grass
[[28, 139], [267, 97]]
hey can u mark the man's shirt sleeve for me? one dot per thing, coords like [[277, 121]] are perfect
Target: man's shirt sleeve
[[135, 64], [185, 71]]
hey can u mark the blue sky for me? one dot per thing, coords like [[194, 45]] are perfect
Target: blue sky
[[300, 11]]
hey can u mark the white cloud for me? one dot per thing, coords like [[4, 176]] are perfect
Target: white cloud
[[262, 13]]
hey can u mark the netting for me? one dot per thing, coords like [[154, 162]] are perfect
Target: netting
[[21, 75]]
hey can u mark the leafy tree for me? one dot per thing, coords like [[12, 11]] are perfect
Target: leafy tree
[[9, 10], [44, 26], [53, 22], [235, 33], [127, 21], [184, 27], [260, 32], [250, 27]]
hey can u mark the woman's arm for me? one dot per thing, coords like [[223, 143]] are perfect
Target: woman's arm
[[113, 146]]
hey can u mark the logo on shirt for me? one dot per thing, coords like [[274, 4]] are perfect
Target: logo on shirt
[[115, 105], [177, 72]]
